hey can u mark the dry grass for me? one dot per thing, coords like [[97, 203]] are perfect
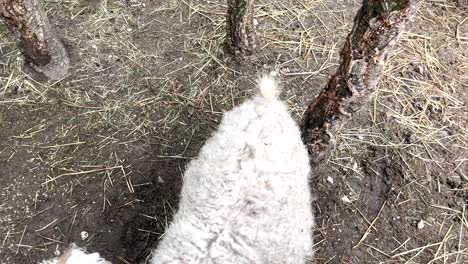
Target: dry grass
[[419, 114], [421, 101], [150, 82]]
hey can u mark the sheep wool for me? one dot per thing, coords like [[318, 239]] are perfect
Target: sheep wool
[[76, 255], [246, 197]]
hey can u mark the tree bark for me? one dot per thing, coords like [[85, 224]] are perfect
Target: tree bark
[[376, 29], [42, 50], [240, 32]]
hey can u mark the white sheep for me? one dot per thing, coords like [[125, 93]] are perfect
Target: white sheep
[[246, 197]]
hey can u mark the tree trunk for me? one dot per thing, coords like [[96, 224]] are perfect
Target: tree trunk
[[376, 29], [42, 50], [240, 32]]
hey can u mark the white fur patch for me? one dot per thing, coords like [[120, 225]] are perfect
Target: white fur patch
[[246, 197], [269, 87], [77, 256]]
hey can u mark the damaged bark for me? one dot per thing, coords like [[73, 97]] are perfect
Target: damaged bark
[[376, 29], [36, 40], [240, 32]]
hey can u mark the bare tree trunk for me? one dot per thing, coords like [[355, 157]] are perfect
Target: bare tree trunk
[[42, 50], [240, 32], [376, 29]]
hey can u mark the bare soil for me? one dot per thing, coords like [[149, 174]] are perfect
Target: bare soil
[[98, 157]]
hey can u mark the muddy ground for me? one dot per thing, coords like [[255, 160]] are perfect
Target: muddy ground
[[97, 158]]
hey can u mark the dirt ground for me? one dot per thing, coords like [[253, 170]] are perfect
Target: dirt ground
[[97, 158]]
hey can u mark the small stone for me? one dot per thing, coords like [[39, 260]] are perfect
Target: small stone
[[345, 199], [419, 69], [421, 224], [330, 180], [84, 235]]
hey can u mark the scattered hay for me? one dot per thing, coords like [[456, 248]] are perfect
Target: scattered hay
[[150, 82]]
